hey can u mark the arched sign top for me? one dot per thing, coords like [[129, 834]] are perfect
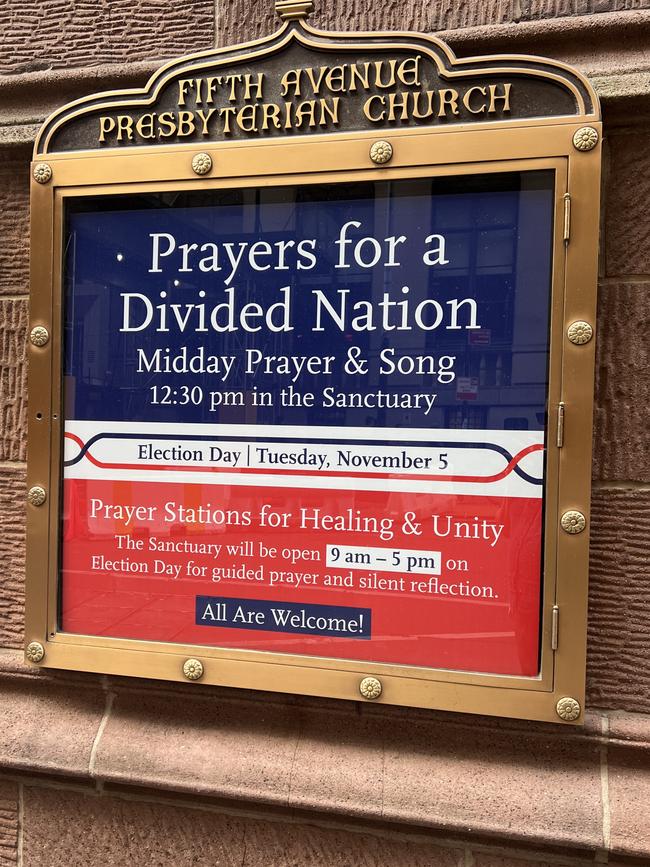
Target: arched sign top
[[300, 81]]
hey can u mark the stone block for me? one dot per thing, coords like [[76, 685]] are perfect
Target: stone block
[[200, 746], [627, 229], [629, 797], [8, 824], [618, 655], [622, 382], [345, 764], [60, 34], [630, 728], [47, 727], [14, 322], [14, 220], [64, 828], [526, 789], [242, 20], [12, 556], [531, 10]]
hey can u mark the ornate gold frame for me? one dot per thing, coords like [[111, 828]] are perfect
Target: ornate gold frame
[[557, 695]]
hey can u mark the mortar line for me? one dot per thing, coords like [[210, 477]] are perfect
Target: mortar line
[[604, 786], [614, 279], [110, 697], [620, 485], [21, 825]]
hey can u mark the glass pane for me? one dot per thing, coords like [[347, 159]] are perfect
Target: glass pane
[[311, 419]]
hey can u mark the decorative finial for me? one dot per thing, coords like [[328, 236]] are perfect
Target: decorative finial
[[292, 10]]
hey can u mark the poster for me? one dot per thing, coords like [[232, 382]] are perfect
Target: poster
[[281, 434]]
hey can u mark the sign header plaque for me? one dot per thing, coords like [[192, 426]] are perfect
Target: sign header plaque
[[309, 416]]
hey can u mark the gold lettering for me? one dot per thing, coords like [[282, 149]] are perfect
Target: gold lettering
[[332, 111], [212, 83], [447, 97], [421, 114], [183, 86], [246, 118], [363, 77], [288, 115], [379, 65], [205, 118], [398, 101], [144, 126], [270, 112], [335, 79], [124, 125], [316, 81], [305, 111], [367, 108], [186, 125], [249, 86], [166, 120], [505, 96], [106, 124], [291, 79], [233, 80], [408, 71], [468, 97], [226, 114]]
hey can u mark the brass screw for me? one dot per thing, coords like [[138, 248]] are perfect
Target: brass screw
[[193, 669], [381, 152], [37, 495], [370, 688], [39, 336], [585, 139], [573, 522], [568, 709], [201, 163], [580, 332], [34, 652], [42, 173]]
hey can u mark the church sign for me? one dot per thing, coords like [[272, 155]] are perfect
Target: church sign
[[310, 374]]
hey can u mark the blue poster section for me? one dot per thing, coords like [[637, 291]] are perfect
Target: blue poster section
[[182, 308]]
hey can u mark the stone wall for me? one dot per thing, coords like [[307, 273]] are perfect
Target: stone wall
[[98, 770]]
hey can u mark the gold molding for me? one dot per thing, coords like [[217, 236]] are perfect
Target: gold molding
[[294, 10]]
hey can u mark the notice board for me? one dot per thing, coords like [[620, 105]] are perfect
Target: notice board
[[311, 403]]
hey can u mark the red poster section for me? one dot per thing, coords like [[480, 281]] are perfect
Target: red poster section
[[137, 556]]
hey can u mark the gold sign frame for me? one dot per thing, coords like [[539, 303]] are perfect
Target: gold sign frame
[[569, 145]]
